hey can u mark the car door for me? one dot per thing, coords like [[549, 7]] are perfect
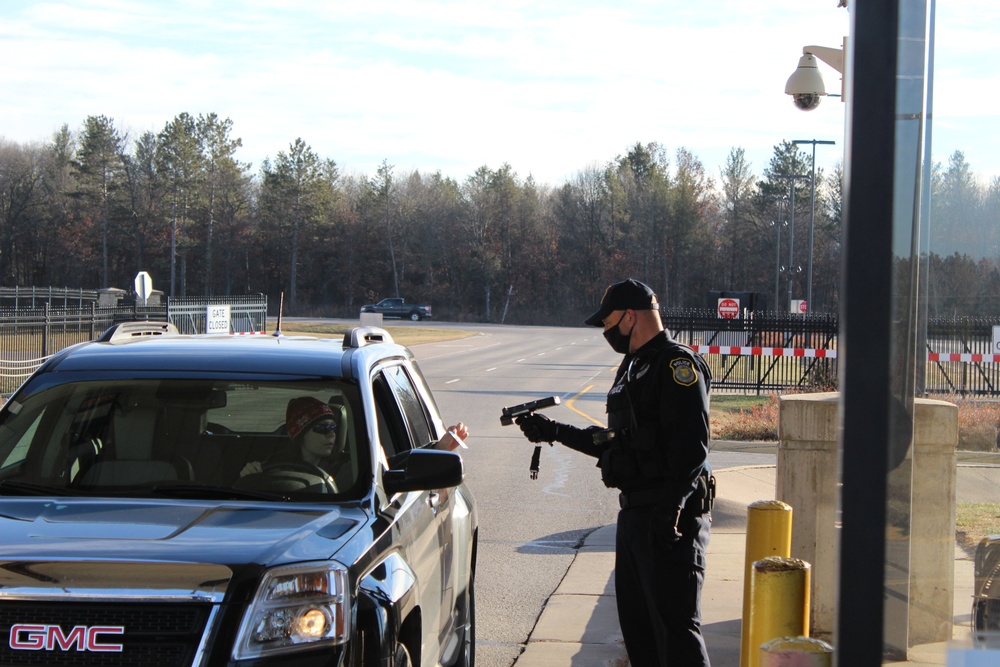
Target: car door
[[394, 307], [422, 519]]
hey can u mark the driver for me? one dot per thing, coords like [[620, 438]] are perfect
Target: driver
[[311, 426]]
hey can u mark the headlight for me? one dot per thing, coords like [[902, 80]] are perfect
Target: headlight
[[296, 607]]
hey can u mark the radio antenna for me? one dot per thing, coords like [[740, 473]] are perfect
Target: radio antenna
[[281, 307]]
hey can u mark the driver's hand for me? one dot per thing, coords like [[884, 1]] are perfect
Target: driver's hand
[[251, 468]]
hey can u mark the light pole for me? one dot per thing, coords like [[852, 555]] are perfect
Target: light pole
[[791, 231], [812, 217], [777, 224]]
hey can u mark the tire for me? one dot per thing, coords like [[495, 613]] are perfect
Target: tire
[[415, 316], [401, 656]]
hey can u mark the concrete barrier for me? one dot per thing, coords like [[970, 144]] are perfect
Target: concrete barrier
[[807, 479]]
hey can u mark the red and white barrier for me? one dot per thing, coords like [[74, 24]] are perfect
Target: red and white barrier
[[819, 353]]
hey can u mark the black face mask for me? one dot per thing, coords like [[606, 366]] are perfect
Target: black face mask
[[618, 341]]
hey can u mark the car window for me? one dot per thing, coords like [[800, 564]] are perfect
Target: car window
[[411, 404], [403, 422], [108, 435]]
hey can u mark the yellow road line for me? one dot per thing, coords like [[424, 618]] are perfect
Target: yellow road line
[[569, 404]]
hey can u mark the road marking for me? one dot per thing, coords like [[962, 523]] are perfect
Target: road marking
[[452, 381], [569, 404], [488, 370]]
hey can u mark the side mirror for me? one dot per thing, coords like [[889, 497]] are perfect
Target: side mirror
[[423, 470]]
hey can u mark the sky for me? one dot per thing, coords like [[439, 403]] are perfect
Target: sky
[[550, 87]]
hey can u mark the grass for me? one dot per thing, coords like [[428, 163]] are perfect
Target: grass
[[744, 418], [974, 521]]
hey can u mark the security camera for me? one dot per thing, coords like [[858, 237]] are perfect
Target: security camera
[[805, 85]]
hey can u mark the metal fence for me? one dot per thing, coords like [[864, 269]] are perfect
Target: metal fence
[[762, 353], [962, 357], [244, 313], [29, 336]]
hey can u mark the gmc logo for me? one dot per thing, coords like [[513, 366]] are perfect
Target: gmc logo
[[32, 637]]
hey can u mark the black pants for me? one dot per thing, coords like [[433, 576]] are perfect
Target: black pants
[[659, 591]]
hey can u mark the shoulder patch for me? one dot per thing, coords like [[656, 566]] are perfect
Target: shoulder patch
[[684, 372]]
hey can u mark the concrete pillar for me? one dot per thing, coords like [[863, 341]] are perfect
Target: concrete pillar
[[807, 480], [932, 522]]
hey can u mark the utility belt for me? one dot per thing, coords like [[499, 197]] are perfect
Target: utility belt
[[700, 502]]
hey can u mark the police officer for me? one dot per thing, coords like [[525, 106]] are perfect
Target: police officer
[[654, 452]]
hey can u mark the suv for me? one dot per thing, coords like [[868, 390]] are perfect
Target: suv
[[396, 307], [146, 520]]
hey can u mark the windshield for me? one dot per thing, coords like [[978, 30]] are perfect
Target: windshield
[[160, 436]]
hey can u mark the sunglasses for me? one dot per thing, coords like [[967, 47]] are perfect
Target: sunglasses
[[324, 428]]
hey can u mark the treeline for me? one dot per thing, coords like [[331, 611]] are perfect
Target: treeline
[[91, 208]]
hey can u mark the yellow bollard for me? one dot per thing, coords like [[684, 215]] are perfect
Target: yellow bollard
[[769, 533], [779, 601], [796, 652]]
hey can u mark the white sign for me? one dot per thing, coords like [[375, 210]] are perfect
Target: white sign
[[799, 306], [217, 319], [729, 308], [143, 286], [996, 340]]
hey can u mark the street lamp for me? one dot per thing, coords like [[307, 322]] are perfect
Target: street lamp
[[812, 216], [777, 224], [791, 232]]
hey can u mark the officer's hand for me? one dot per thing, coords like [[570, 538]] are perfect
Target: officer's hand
[[538, 428], [663, 531]]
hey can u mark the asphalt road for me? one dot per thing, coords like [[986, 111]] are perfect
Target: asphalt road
[[529, 529]]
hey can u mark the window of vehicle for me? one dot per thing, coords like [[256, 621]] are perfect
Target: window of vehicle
[[115, 435], [403, 422]]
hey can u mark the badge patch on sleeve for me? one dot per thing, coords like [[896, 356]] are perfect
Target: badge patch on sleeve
[[684, 372]]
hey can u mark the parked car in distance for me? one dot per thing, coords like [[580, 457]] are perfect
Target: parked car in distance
[[396, 307], [158, 507]]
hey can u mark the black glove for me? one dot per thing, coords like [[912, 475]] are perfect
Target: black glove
[[663, 531], [538, 428]]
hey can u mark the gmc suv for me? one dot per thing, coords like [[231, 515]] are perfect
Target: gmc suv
[[155, 509]]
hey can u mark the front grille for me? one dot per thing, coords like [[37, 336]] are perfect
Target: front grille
[[156, 634]]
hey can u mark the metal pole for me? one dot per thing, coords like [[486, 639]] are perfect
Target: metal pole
[[812, 218], [791, 232], [777, 223], [777, 262], [791, 245]]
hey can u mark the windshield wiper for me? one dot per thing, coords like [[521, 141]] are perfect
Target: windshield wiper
[[196, 491]]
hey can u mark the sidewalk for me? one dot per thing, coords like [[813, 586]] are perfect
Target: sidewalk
[[579, 625]]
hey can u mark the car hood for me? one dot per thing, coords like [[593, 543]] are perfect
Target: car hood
[[172, 531]]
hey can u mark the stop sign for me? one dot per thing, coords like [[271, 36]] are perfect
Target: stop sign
[[729, 308]]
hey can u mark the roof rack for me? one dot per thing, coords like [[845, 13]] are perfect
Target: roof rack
[[361, 336], [135, 330]]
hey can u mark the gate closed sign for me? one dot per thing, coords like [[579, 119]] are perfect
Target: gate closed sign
[[729, 308], [217, 319]]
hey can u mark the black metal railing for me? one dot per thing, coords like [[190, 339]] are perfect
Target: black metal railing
[[763, 352]]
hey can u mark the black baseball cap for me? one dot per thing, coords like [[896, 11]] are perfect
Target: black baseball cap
[[628, 294]]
